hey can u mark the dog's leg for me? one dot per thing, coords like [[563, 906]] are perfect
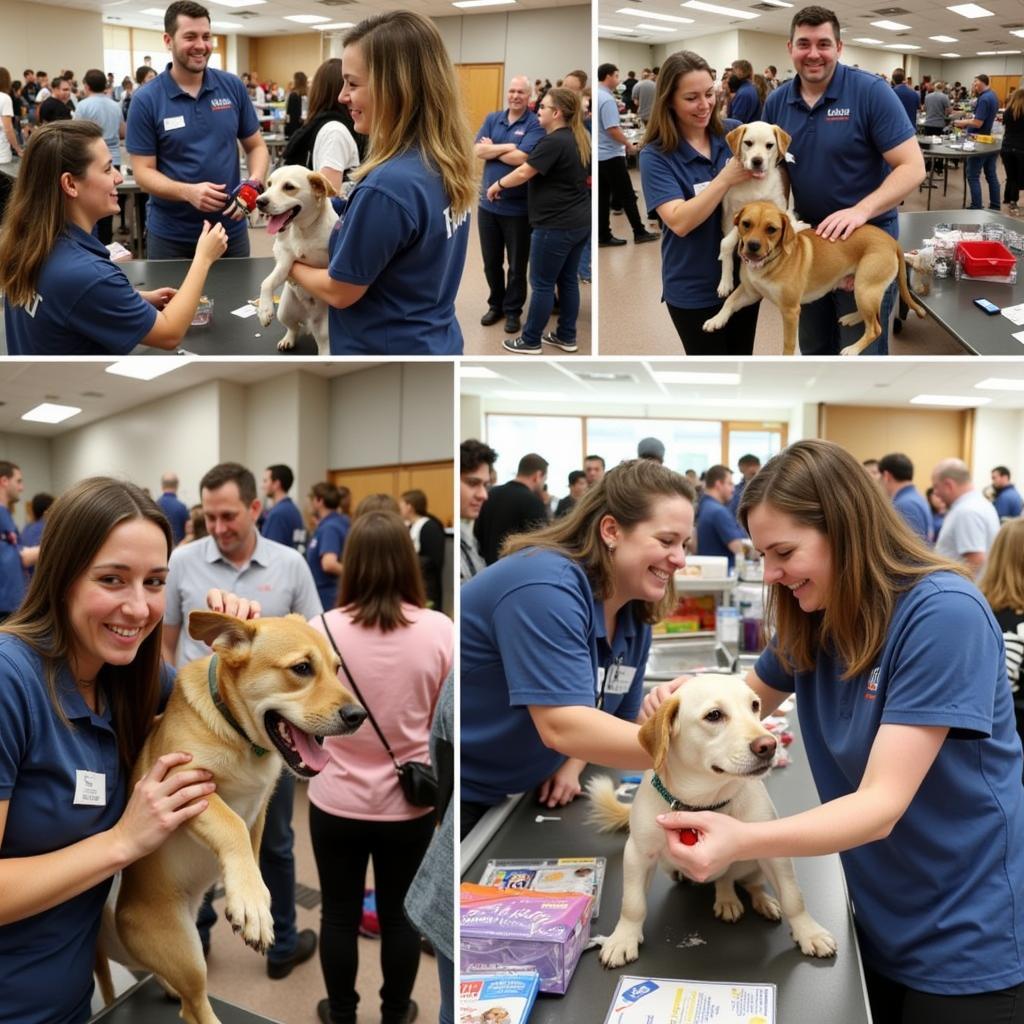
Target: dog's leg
[[790, 328], [728, 906], [270, 284], [760, 899], [623, 945], [811, 937], [743, 296], [290, 312], [725, 251]]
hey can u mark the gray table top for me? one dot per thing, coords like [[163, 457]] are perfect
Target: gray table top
[[951, 302], [980, 148], [145, 1003], [751, 950]]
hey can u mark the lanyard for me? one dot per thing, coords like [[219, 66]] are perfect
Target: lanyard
[[615, 665]]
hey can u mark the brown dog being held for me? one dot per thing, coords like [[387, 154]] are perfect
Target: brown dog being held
[[791, 267], [267, 697]]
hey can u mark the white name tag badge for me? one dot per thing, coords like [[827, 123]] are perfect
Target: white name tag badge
[[699, 186], [170, 123], [90, 789], [619, 678]]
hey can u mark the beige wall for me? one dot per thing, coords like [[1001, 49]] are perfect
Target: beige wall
[[40, 36], [278, 58], [624, 55]]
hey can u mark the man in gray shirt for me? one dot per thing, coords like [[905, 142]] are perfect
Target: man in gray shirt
[[643, 96], [234, 557], [971, 524], [101, 109]]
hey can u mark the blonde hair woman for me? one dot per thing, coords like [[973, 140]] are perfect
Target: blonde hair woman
[[397, 260], [1012, 151], [63, 295], [558, 200]]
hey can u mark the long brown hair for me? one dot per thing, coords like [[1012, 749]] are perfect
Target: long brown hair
[[35, 214], [663, 129], [380, 572], [416, 101], [301, 83], [1003, 580], [325, 88], [571, 106], [77, 525], [627, 494], [1016, 104], [5, 80], [875, 555]]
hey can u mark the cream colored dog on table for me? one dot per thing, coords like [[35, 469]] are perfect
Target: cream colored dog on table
[[710, 752]]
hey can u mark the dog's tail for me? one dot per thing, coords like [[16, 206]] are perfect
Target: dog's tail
[[905, 293], [606, 813]]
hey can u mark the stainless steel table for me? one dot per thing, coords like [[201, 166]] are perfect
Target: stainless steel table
[[948, 153], [752, 950], [146, 1003]]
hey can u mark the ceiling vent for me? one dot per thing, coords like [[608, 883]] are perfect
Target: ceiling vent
[[889, 11]]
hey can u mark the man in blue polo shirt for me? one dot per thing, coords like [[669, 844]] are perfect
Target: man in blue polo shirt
[[749, 466], [981, 124], [897, 479], [183, 134], [14, 557], [504, 141], [907, 96], [324, 551], [746, 104], [718, 533], [1007, 501], [176, 510], [283, 522], [856, 160]]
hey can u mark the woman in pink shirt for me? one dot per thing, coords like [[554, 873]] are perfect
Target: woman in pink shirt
[[398, 653]]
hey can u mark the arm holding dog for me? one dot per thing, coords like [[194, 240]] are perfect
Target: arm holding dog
[[162, 801], [681, 216], [318, 282], [770, 697], [590, 734]]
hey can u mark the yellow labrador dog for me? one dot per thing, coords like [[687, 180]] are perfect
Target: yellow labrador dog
[[761, 148], [267, 696], [793, 267], [297, 202], [710, 752]]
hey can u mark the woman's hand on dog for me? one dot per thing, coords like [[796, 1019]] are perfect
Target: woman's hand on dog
[[231, 604], [734, 173], [656, 697], [160, 803], [563, 786], [717, 845]]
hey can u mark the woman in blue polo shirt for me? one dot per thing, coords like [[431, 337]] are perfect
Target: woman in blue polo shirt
[[907, 719], [63, 294], [397, 259], [555, 637], [686, 168]]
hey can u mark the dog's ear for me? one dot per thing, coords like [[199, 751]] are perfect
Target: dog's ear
[[224, 633], [735, 138], [656, 733], [321, 187], [787, 238], [783, 139]]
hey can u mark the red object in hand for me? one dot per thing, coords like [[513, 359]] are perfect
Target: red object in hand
[[688, 836], [787, 738], [248, 195]]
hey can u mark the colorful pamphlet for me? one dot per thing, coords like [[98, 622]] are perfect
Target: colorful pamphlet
[[502, 998], [675, 1001], [553, 874]]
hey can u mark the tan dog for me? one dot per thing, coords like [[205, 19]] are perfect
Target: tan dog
[[791, 268], [761, 148], [277, 678], [710, 752]]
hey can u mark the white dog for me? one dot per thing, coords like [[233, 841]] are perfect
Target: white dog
[[301, 217], [762, 149], [710, 752]]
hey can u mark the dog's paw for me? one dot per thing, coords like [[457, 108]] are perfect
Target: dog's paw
[[287, 342], [247, 908], [716, 323], [849, 350], [725, 288], [766, 905], [729, 908], [621, 947], [851, 319], [814, 940], [266, 313]]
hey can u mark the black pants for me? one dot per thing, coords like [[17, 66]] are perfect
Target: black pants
[[343, 847], [735, 339], [1013, 164], [892, 1003], [614, 188], [498, 236]]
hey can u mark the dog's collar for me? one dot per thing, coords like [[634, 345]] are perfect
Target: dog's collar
[[225, 711], [674, 803]]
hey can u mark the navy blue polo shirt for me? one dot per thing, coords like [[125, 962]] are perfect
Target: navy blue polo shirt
[[716, 527], [690, 270], [939, 905], [84, 305], [194, 139], [12, 574], [284, 524], [910, 504], [400, 237], [838, 145], [985, 111], [177, 514], [746, 104], [534, 634], [910, 100], [525, 132], [330, 536], [1008, 502]]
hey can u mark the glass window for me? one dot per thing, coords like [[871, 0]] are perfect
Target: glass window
[[689, 444], [559, 439], [763, 443]]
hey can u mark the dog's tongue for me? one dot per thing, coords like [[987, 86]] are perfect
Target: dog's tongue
[[309, 750], [274, 224]]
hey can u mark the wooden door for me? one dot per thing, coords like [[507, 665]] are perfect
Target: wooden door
[[1003, 86], [483, 90], [435, 479]]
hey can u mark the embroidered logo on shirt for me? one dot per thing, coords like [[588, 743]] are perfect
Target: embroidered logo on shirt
[[451, 222], [837, 114], [31, 308], [871, 690], [218, 103]]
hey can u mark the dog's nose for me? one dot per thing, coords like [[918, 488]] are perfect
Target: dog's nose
[[763, 747], [353, 715], [757, 161], [261, 203], [753, 245]]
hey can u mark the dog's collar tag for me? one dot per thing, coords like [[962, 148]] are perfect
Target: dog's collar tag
[[676, 804], [225, 711]]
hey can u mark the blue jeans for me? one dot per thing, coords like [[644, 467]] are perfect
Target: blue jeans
[[975, 166], [585, 271], [446, 980], [554, 259], [821, 334], [158, 248], [277, 865]]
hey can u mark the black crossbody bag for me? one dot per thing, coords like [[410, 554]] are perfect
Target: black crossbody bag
[[417, 779]]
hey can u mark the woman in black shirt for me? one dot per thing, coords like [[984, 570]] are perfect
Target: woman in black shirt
[[558, 170], [293, 110], [1012, 150]]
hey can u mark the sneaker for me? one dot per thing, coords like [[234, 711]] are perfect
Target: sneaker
[[646, 236], [304, 949], [552, 339], [492, 316], [323, 1012], [610, 240], [518, 345]]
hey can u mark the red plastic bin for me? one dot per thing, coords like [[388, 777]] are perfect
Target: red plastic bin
[[985, 259]]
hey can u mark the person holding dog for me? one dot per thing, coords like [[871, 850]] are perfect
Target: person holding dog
[[907, 719], [397, 653], [81, 679], [556, 634], [63, 294], [686, 169], [397, 260]]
